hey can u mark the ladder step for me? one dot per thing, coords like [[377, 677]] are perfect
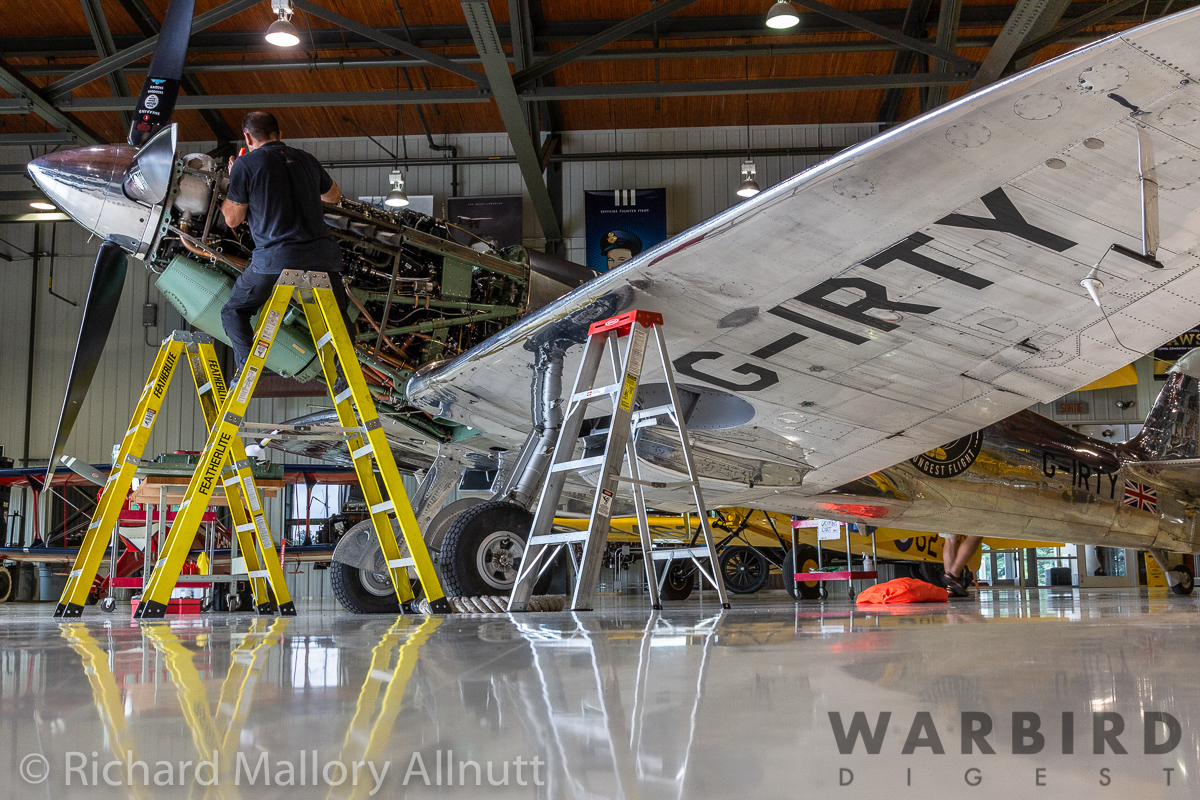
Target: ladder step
[[386, 505], [397, 563], [365, 450], [578, 464], [656, 484], [599, 391], [676, 552], [656, 411], [560, 538]]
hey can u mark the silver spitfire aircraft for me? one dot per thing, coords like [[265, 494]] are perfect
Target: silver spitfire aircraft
[[836, 331]]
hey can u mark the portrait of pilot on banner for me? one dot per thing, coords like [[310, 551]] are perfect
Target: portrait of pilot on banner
[[622, 223]]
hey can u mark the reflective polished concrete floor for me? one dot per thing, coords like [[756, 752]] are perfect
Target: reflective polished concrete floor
[[759, 701]]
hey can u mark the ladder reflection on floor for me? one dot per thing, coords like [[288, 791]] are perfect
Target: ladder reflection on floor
[[602, 749], [220, 733]]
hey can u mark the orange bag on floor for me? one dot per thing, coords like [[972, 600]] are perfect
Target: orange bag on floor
[[902, 590]]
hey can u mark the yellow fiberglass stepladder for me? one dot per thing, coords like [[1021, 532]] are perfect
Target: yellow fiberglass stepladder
[[357, 416], [241, 492]]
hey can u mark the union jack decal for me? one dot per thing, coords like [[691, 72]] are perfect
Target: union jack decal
[[1141, 497]]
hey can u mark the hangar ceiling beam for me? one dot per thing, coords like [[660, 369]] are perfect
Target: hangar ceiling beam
[[1102, 14], [1025, 15], [149, 25], [1044, 25], [27, 95], [883, 32], [823, 83], [387, 40], [904, 59], [508, 102], [93, 11], [947, 38], [64, 86], [592, 43]]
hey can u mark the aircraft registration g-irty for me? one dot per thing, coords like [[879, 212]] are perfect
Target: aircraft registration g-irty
[[909, 292]]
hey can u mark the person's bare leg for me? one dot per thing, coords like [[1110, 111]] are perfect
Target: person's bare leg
[[964, 552], [949, 547]]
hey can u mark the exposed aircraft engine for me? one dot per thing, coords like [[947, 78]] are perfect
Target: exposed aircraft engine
[[417, 296]]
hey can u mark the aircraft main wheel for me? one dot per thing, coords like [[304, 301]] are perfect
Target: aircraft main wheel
[[680, 580], [743, 569], [361, 591], [808, 590], [483, 548], [1187, 582]]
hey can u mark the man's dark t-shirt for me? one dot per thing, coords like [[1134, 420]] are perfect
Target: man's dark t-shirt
[[282, 187]]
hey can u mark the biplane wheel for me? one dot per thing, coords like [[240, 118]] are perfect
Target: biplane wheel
[[680, 580], [1187, 582], [743, 569], [808, 590]]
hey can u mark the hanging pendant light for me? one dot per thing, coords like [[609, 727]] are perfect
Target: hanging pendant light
[[783, 15], [748, 187], [397, 197], [282, 32]]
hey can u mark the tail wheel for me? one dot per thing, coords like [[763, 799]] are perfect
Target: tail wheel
[[681, 578], [743, 569], [806, 562], [6, 584], [1187, 580]]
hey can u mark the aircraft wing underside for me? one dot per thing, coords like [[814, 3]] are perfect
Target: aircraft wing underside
[[917, 287]]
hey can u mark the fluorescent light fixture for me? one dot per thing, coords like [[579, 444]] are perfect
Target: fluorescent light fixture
[[282, 32], [783, 15], [748, 187], [397, 197], [43, 205]]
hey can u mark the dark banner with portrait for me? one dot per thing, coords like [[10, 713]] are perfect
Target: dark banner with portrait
[[621, 223], [496, 218]]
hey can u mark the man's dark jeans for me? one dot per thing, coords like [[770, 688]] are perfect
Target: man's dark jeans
[[250, 292]]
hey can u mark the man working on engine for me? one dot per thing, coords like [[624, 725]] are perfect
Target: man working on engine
[[279, 189]]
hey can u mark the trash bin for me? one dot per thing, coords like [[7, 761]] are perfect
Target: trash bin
[[1060, 576], [52, 578]]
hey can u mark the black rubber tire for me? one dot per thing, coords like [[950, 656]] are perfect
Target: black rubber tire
[[743, 569], [461, 573], [681, 579], [109, 605], [932, 572], [6, 584], [808, 590], [347, 584], [1188, 584]]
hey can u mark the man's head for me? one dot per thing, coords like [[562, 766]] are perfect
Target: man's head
[[620, 246], [259, 127]]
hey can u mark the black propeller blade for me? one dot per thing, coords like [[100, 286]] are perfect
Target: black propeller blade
[[157, 100], [104, 293]]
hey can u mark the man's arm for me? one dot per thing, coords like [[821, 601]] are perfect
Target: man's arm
[[235, 213], [333, 195]]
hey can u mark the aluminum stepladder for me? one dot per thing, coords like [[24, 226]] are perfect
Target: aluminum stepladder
[[240, 489], [357, 416], [543, 545]]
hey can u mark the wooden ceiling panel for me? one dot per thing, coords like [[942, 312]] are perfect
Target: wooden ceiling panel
[[64, 18]]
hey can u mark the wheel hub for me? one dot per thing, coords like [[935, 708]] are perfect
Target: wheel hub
[[497, 559]]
